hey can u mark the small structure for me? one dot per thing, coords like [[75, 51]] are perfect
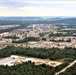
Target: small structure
[[14, 56], [29, 59]]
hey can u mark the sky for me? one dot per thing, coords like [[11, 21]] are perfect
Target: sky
[[38, 8]]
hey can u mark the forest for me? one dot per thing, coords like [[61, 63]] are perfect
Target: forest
[[70, 71], [52, 53], [26, 39], [29, 68], [68, 33]]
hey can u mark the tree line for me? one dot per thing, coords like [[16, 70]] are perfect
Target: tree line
[[51, 53], [26, 39]]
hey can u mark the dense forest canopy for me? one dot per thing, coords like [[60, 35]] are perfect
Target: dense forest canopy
[[70, 71], [29, 68], [51, 53]]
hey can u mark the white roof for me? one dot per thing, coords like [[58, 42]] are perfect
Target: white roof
[[14, 56], [29, 59]]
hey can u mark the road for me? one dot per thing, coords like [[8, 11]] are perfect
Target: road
[[63, 70]]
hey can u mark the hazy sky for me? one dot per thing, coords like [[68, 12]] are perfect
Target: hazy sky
[[37, 8]]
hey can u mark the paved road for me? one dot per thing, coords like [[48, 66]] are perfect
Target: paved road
[[71, 64]]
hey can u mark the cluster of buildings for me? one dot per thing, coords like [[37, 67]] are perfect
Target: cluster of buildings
[[71, 38], [7, 26], [42, 27], [5, 40], [30, 31], [34, 30], [48, 44], [33, 34]]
